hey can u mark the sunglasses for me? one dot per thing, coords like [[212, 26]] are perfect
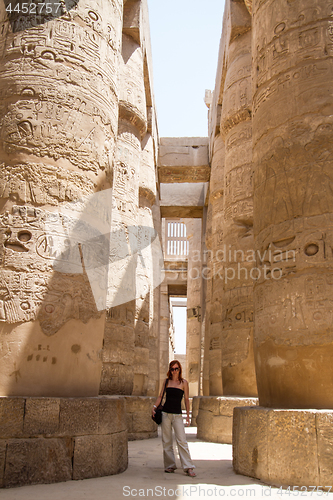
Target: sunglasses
[[174, 369]]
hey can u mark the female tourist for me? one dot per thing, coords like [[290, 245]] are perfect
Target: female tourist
[[175, 388]]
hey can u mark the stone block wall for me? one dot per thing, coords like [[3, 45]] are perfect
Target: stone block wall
[[284, 447], [48, 440], [215, 417], [139, 422]]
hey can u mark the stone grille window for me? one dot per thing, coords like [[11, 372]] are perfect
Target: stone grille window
[[175, 237]]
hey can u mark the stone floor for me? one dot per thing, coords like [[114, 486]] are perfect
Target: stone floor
[[145, 478]]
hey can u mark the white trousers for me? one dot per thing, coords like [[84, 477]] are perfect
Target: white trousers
[[169, 421]]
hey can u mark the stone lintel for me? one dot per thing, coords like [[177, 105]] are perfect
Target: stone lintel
[[183, 159], [182, 212], [184, 173], [284, 447], [175, 264], [176, 290]]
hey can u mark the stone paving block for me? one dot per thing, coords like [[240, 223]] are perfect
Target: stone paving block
[[139, 403], [38, 460], [41, 416], [120, 452], [136, 436], [227, 404], [11, 417], [129, 422], [292, 447], [324, 427], [222, 429], [93, 457], [142, 422], [204, 424], [195, 410], [111, 415], [78, 416], [2, 460], [210, 403], [250, 436]]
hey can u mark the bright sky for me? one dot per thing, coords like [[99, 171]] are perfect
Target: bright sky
[[185, 37], [179, 322]]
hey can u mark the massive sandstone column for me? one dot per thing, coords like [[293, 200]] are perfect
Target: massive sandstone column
[[119, 350], [164, 332], [146, 353], [59, 120], [236, 252], [292, 137], [216, 280], [193, 323], [208, 300]]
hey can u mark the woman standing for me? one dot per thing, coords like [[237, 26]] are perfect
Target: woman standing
[[175, 388]]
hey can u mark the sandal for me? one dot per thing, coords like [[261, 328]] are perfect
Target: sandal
[[190, 472], [169, 470]]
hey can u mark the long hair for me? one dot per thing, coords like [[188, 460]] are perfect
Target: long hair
[[169, 374]]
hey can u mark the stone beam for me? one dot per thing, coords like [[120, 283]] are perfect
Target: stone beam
[[184, 159], [182, 212]]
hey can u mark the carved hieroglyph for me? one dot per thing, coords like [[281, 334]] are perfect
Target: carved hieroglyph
[[58, 122], [292, 135]]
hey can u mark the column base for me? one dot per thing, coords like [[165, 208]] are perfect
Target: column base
[[140, 425], [195, 410], [50, 440], [214, 420], [284, 447]]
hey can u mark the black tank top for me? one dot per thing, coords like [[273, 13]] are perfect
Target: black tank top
[[173, 400]]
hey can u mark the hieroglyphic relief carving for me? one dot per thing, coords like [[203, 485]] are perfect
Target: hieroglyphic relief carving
[[293, 199], [296, 312], [34, 254], [46, 120], [309, 154], [43, 185], [59, 122]]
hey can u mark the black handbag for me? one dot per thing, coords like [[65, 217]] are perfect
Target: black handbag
[[158, 411]]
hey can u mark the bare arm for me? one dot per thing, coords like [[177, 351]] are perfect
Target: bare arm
[[159, 399], [187, 402]]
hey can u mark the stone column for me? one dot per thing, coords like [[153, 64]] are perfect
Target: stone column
[[147, 274], [155, 333], [193, 325], [208, 277], [119, 344], [238, 370], [164, 332], [216, 268], [59, 119], [204, 284], [292, 138]]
